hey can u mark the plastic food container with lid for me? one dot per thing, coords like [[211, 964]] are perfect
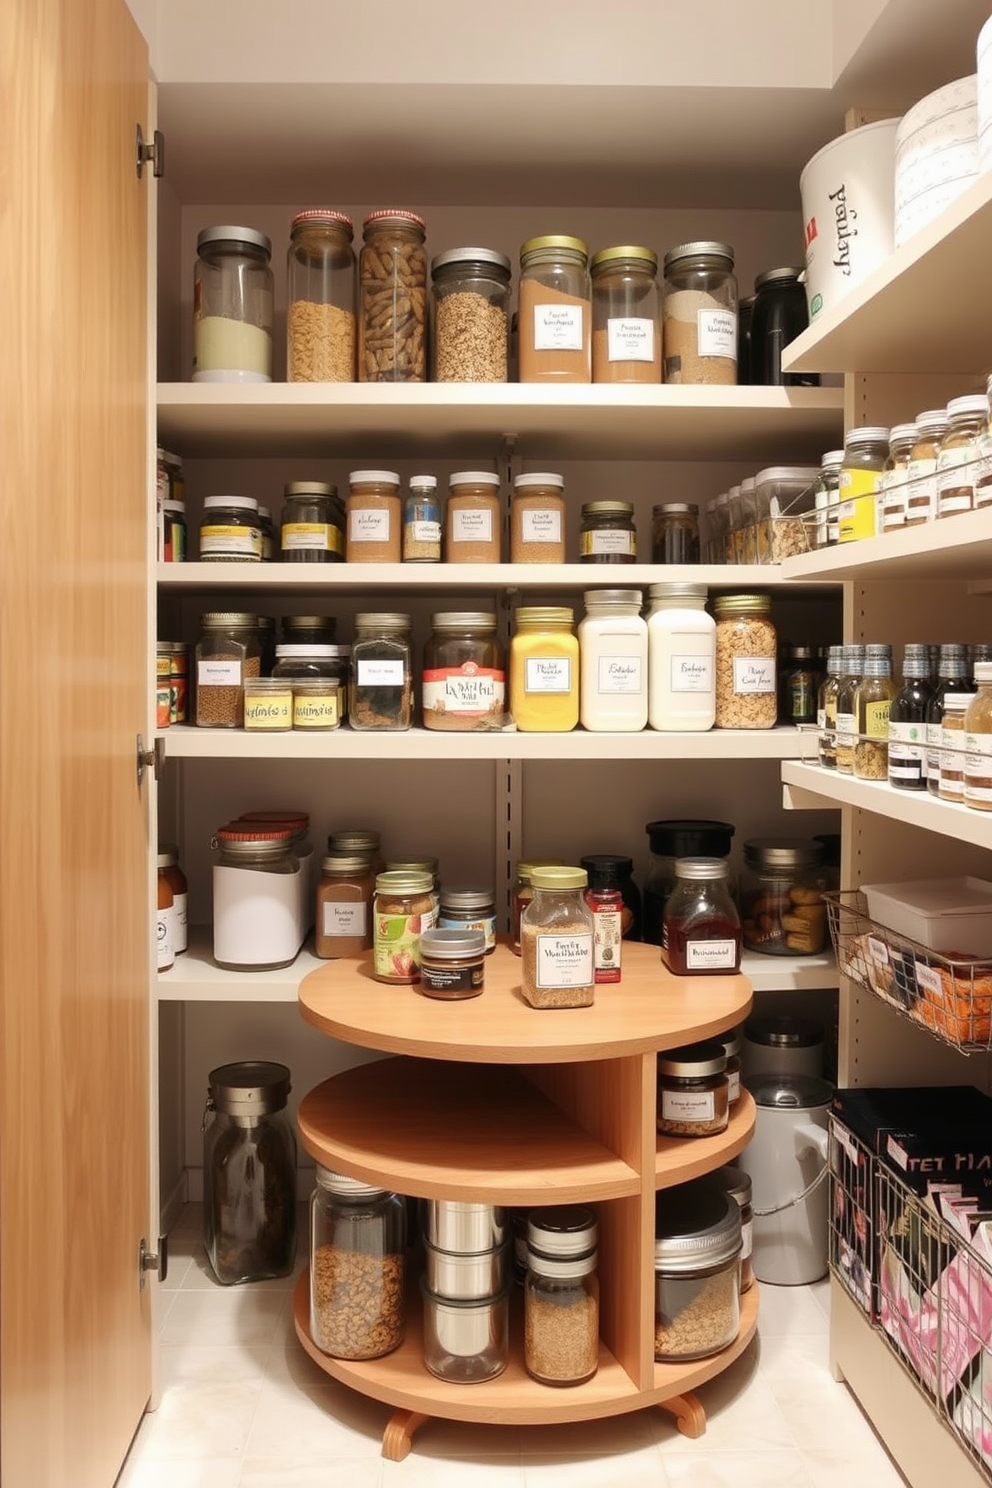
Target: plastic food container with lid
[[232, 306], [697, 1271], [785, 500]]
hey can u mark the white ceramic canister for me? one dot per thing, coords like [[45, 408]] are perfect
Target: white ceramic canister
[[848, 199], [936, 154], [984, 96], [613, 662], [681, 659]]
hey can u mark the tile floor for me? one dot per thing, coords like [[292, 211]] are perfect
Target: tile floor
[[242, 1406]]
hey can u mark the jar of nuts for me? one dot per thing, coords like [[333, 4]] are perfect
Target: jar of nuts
[[357, 1246], [746, 662], [697, 1271], [392, 329], [471, 294], [320, 289], [782, 908]]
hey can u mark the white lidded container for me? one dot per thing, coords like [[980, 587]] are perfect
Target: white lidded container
[[953, 915], [613, 662], [848, 199], [787, 1163], [256, 898], [681, 659], [936, 154]]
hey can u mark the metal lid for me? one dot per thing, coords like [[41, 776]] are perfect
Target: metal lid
[[265, 622], [423, 483], [472, 255], [251, 1087], [783, 1032], [242, 831], [464, 620], [249, 237], [695, 1224], [805, 473], [901, 433], [626, 597], [778, 276], [677, 508], [958, 702], [558, 876], [741, 604], [677, 591], [321, 217], [401, 881], [319, 650], [538, 478], [790, 1092], [393, 217], [685, 837], [748, 484], [240, 503], [552, 241], [832, 460], [413, 865], [972, 405], [473, 896], [608, 256], [983, 672], [607, 508], [347, 1188], [265, 514], [309, 488], [309, 622], [563, 1230], [370, 477], [732, 1041], [704, 249], [382, 620], [450, 944], [352, 838], [733, 1181], [342, 862], [472, 478], [783, 852], [543, 615], [693, 1059], [615, 864], [701, 870], [168, 855], [298, 820]]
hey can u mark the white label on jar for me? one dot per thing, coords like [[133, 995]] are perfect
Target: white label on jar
[[879, 950], [558, 328], [473, 525], [427, 532], [733, 1085], [716, 333], [929, 980], [180, 928], [688, 1105], [921, 491], [564, 960], [630, 338], [372, 673], [540, 526], [548, 674], [711, 955], [344, 919], [225, 542], [847, 728], [907, 755], [368, 525], [754, 674], [933, 748], [608, 540], [978, 767], [163, 932], [747, 1238], [692, 674], [218, 674], [619, 674]]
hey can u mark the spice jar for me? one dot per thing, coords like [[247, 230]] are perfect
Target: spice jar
[[978, 742], [893, 484], [165, 945], [344, 906], [865, 453], [735, 1182], [826, 709], [249, 1173], [700, 926], [312, 529], [872, 705], [473, 521], [230, 530], [675, 533], [464, 681], [452, 963], [604, 899], [357, 1257], [626, 316], [693, 1091], [607, 533], [392, 327], [232, 306], [921, 492], [697, 1271], [797, 686], [556, 940], [374, 517], [257, 897], [471, 295], [669, 841], [782, 896], [163, 684], [952, 673], [846, 733], [826, 500], [958, 456], [537, 519], [732, 1043], [268, 705], [907, 722], [746, 658], [950, 786], [380, 694], [544, 670], [561, 1295], [555, 312], [227, 653], [174, 532], [403, 906], [700, 314], [469, 908], [614, 871], [170, 871], [681, 659], [422, 521], [613, 662], [321, 327]]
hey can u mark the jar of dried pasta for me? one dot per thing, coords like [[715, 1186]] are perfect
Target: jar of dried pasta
[[392, 328], [537, 519], [320, 290], [746, 659]]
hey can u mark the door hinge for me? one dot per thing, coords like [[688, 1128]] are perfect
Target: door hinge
[[153, 151], [151, 1260], [149, 757]]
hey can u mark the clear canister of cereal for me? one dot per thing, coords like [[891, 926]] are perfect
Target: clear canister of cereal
[[321, 294], [471, 302]]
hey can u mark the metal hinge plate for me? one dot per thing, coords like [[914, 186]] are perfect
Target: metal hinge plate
[[146, 758], [149, 1260], [153, 152]]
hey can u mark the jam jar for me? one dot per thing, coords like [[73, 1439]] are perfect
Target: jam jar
[[701, 929], [693, 1090]]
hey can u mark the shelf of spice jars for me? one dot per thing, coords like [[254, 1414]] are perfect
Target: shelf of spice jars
[[958, 547], [678, 1160], [919, 308], [401, 1379], [809, 787], [404, 420]]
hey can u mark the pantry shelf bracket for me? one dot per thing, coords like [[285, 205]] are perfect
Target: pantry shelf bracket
[[397, 1439], [690, 1416]]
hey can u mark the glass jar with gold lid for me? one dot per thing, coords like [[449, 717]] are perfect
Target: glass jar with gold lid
[[626, 316], [555, 311]]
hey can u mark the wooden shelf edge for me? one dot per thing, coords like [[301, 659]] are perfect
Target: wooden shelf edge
[[679, 1159]]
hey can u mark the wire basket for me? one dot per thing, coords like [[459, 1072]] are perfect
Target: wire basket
[[853, 1252], [951, 997], [966, 1352], [912, 1254]]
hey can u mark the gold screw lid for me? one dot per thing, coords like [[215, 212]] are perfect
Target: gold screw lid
[[551, 242], [741, 604], [607, 257], [552, 615], [559, 877]]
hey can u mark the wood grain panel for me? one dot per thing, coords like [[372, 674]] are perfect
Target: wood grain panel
[[74, 926]]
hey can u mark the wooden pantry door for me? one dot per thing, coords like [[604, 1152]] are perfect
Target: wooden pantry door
[[75, 1332]]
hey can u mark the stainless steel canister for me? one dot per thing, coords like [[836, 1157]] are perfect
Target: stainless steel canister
[[457, 1225], [465, 1275]]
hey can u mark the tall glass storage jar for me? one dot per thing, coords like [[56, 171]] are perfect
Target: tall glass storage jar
[[700, 314], [697, 1266], [555, 311], [227, 653], [626, 316], [374, 515], [321, 325], [232, 306], [380, 693], [357, 1254], [249, 1173], [561, 1295], [746, 662], [312, 526], [392, 326], [471, 298]]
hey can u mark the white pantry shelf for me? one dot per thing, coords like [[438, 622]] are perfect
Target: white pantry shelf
[[810, 787], [958, 547]]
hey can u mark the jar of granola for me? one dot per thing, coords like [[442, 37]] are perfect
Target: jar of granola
[[746, 660]]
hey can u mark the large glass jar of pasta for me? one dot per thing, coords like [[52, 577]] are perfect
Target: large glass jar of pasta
[[471, 294], [746, 662], [320, 291], [555, 313], [392, 327], [380, 693], [232, 306], [544, 670], [626, 316], [700, 314]]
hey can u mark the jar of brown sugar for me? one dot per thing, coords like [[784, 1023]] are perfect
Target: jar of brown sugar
[[626, 316], [555, 313], [537, 519], [344, 905], [473, 520], [374, 517], [700, 314]]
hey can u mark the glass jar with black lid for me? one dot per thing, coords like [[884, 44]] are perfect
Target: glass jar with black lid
[[608, 533], [675, 533], [682, 837], [312, 523]]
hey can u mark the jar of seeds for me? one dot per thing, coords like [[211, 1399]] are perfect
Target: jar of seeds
[[392, 327], [227, 653], [471, 294], [561, 1296], [556, 936], [357, 1250], [746, 662]]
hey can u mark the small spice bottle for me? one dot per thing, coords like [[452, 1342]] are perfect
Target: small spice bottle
[[872, 706], [268, 705], [544, 670], [344, 906], [469, 908], [614, 870], [826, 500], [693, 1090], [392, 325], [746, 662], [230, 531], [321, 323], [613, 662], [952, 674], [312, 528], [422, 521], [232, 306], [626, 316], [464, 679], [907, 722], [169, 869], [357, 1260], [452, 963], [537, 519], [700, 314], [866, 450], [555, 311], [556, 940], [675, 533], [958, 456], [473, 521], [978, 742], [846, 733], [374, 517], [735, 1182], [826, 710], [797, 686], [165, 945], [380, 694], [471, 295], [604, 899], [607, 533], [921, 493], [893, 485], [401, 909], [701, 929], [561, 1295], [952, 745], [227, 653]]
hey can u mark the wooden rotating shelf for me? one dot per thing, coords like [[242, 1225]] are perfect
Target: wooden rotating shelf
[[681, 1158]]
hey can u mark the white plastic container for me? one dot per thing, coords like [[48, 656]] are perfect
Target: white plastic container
[[613, 662], [946, 914], [786, 1158], [936, 154], [984, 96], [848, 197], [681, 659]]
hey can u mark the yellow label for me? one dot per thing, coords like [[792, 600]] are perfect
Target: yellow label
[[321, 537], [163, 666], [877, 719], [272, 712], [856, 512], [316, 712]]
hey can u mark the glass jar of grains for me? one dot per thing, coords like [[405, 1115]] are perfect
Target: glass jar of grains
[[556, 940], [607, 533], [464, 680], [227, 653], [471, 294], [321, 292], [746, 661], [697, 1271], [232, 306], [392, 327], [473, 519], [312, 528], [380, 693], [626, 316], [561, 1296], [374, 517], [554, 318], [357, 1255], [700, 314], [537, 519]]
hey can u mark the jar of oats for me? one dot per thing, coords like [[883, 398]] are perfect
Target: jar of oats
[[697, 1268], [746, 659], [320, 290], [471, 295]]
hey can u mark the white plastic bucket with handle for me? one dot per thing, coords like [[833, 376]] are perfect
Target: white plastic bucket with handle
[[786, 1160], [848, 197]]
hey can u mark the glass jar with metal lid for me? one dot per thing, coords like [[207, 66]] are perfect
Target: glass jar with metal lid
[[361, 840], [561, 1295], [669, 841], [380, 693], [544, 669], [607, 533], [305, 630], [556, 940], [402, 907], [697, 1260], [746, 661], [344, 905], [469, 908], [230, 530], [523, 892], [626, 315], [374, 517], [452, 963], [826, 500], [735, 1182], [357, 1259], [921, 495], [782, 896], [958, 457], [256, 926], [422, 521], [473, 525], [249, 1173], [866, 450], [471, 301], [463, 684], [675, 533], [780, 315], [321, 324], [227, 653], [232, 306], [555, 311], [700, 314], [693, 1090], [537, 518], [700, 926], [392, 326], [312, 529], [893, 482]]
